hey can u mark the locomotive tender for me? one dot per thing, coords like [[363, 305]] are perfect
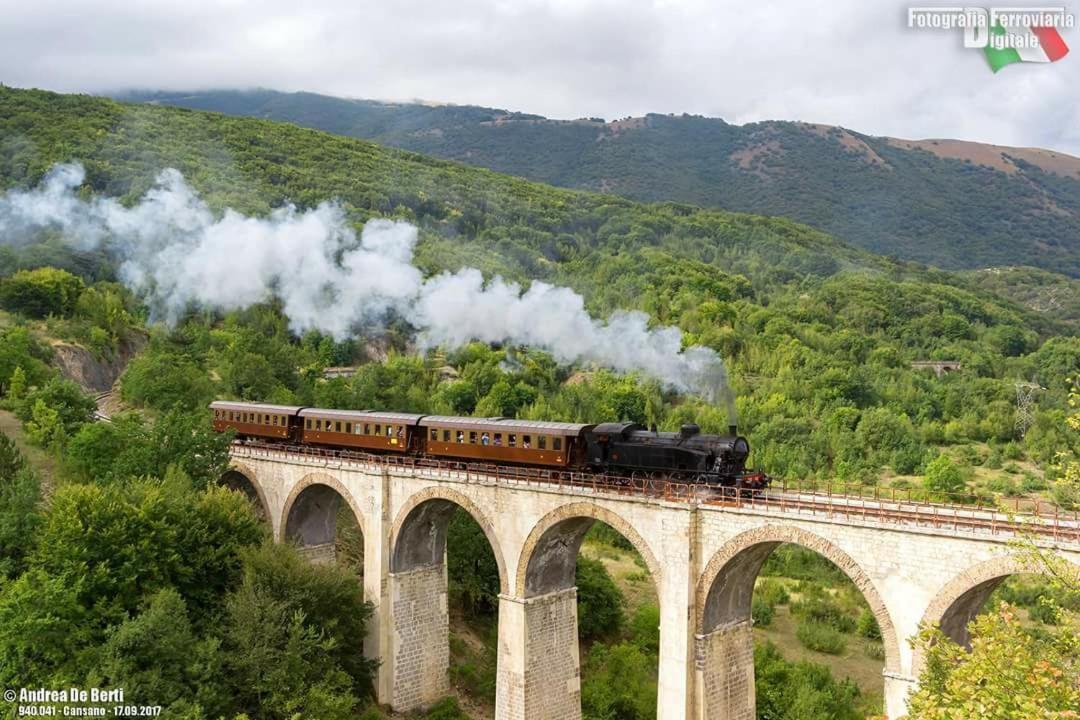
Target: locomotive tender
[[620, 449]]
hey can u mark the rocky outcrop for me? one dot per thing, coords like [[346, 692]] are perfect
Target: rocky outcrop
[[94, 374]]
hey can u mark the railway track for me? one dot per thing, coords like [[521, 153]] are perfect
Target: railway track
[[1043, 520]]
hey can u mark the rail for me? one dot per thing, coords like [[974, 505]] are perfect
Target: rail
[[911, 508]]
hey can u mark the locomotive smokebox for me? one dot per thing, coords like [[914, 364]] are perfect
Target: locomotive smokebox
[[689, 430], [733, 429]]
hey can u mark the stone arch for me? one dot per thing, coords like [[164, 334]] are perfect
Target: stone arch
[[311, 510], [961, 599], [418, 535], [725, 588], [243, 478], [549, 557]]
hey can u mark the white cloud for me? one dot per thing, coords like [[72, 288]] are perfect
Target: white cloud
[[849, 62]]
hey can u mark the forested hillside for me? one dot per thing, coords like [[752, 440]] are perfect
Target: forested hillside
[[949, 203], [818, 336]]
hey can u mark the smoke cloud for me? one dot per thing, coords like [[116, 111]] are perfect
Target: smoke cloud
[[175, 252]]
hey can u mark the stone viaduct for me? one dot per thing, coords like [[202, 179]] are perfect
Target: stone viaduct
[[703, 559]]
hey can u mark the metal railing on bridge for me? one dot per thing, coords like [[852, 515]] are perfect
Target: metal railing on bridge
[[908, 506]]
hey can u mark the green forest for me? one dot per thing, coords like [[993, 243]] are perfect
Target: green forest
[[127, 565], [912, 203]]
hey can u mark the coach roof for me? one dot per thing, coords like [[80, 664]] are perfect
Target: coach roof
[[498, 424]]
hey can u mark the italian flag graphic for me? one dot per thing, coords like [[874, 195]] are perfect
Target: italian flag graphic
[[1049, 48]]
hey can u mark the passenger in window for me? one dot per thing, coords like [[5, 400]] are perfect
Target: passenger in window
[[498, 438], [513, 440], [484, 440], [460, 437], [525, 443]]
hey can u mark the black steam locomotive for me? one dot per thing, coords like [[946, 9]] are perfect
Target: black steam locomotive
[[705, 458]]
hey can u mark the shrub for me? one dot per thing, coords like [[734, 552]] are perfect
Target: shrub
[[867, 625], [823, 611], [788, 690], [645, 628], [874, 650], [41, 292], [761, 612], [600, 604], [1031, 483], [822, 638], [1045, 612], [619, 683], [944, 476], [446, 709], [772, 591]]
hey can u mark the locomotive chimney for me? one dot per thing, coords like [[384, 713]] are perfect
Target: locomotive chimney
[[733, 429], [689, 430]]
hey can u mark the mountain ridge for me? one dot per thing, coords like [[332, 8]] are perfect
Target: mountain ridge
[[952, 203]]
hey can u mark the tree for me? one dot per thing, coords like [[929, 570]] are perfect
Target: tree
[[19, 350], [19, 518], [1009, 673], [57, 409], [600, 603], [163, 380], [470, 565], [44, 427], [620, 683], [42, 292], [944, 476], [158, 659], [17, 385], [293, 637]]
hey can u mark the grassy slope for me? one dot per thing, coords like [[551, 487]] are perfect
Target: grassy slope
[[950, 207]]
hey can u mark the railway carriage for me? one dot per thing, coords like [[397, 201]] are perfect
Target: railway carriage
[[360, 429], [274, 422], [526, 442]]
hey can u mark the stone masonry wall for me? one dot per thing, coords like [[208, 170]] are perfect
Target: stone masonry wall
[[552, 670], [420, 641], [725, 668], [324, 554]]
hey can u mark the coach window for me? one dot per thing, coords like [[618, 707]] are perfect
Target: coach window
[[472, 438], [446, 435], [348, 428], [389, 431], [498, 438], [512, 440], [460, 436], [543, 442], [526, 442], [307, 423], [556, 443], [367, 428], [434, 434]]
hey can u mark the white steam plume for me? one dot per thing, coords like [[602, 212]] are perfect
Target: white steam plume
[[174, 251]]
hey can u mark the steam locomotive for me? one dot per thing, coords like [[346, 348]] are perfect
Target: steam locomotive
[[618, 449]]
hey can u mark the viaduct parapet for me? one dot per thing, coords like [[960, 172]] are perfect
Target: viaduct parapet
[[703, 557]]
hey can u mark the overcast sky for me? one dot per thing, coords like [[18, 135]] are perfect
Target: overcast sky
[[853, 63]]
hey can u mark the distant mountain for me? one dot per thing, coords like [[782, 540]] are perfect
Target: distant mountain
[[950, 203]]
